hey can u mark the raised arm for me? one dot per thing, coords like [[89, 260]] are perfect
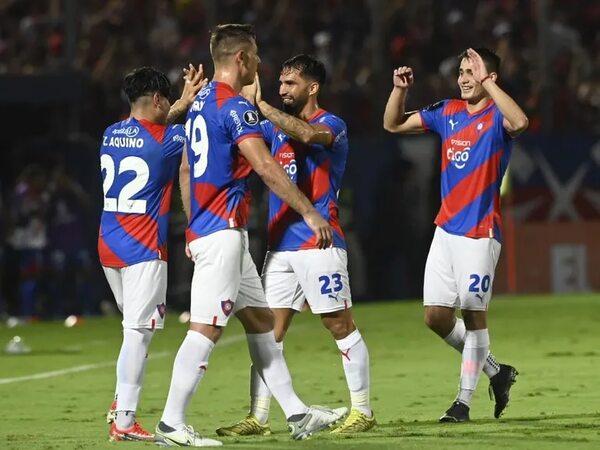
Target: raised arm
[[395, 117], [296, 128], [257, 154], [194, 81], [515, 121]]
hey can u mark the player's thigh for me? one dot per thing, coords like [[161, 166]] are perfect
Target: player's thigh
[[323, 276], [439, 285], [251, 292], [474, 265], [115, 282], [282, 288], [144, 294], [217, 275]]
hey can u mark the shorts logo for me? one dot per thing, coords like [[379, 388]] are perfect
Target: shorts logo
[[227, 307], [162, 309], [333, 296]]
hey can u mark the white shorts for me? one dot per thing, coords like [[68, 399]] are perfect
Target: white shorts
[[459, 272], [140, 291], [319, 276], [225, 279]]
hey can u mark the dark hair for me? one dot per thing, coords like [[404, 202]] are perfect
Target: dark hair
[[226, 39], [145, 80], [490, 59], [308, 66]]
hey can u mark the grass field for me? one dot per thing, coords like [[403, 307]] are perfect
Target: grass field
[[553, 341]]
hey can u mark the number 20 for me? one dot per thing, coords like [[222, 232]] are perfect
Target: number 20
[[485, 283]]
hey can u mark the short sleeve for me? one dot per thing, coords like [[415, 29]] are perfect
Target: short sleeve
[[431, 116], [499, 126], [336, 125], [267, 130], [241, 120], [174, 140]]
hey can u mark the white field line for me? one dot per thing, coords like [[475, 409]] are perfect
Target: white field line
[[227, 340]]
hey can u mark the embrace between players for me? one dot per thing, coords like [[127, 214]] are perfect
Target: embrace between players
[[223, 140]]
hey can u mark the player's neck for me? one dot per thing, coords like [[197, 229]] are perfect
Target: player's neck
[[478, 105], [308, 111], [228, 77], [140, 114]]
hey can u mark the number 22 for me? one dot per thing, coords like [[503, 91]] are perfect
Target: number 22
[[124, 203]]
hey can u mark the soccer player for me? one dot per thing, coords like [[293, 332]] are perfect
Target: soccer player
[[476, 134], [225, 144], [139, 159], [312, 146]]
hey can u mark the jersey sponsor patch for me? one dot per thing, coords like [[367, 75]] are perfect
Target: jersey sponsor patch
[[250, 117]]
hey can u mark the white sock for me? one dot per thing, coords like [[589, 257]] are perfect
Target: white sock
[[477, 344], [260, 395], [267, 358], [355, 359], [491, 366], [456, 339], [189, 367], [130, 373]]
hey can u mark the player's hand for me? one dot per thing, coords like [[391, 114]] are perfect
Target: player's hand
[[194, 81], [321, 228], [403, 77], [479, 70], [258, 95]]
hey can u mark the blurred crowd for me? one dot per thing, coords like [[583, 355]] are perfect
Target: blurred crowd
[[45, 253], [360, 41], [46, 221]]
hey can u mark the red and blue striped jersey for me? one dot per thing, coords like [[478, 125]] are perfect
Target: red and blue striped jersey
[[139, 160], [475, 153], [217, 122], [317, 170]]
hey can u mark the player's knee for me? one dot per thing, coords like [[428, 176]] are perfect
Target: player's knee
[[211, 332], [339, 325], [430, 320], [256, 320], [279, 333], [475, 320], [440, 323]]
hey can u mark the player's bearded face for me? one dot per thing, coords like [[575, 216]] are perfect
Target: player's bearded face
[[294, 91]]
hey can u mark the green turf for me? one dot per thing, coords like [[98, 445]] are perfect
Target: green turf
[[553, 341]]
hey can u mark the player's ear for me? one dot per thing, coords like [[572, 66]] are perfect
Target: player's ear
[[494, 76], [156, 99], [241, 56], [313, 89]]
